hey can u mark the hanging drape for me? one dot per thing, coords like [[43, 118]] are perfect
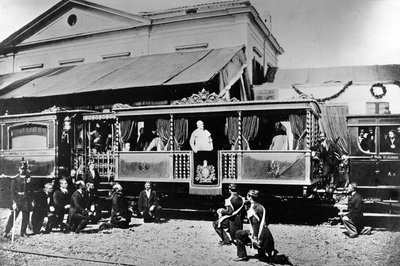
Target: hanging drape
[[180, 132], [163, 129], [127, 129], [232, 72], [333, 123], [298, 126], [250, 126]]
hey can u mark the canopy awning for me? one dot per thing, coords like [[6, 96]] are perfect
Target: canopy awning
[[144, 71]]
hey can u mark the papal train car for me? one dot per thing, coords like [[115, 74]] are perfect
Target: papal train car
[[263, 145]]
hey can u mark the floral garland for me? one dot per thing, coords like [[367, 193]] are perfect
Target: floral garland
[[303, 95], [376, 95]]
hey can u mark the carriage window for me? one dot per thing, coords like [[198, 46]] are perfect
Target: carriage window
[[366, 139], [28, 137], [390, 139]]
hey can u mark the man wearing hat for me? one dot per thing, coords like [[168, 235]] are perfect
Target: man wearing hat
[[330, 155], [259, 234], [21, 196], [120, 213], [230, 218]]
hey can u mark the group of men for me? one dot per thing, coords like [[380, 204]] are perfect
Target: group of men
[[47, 209]]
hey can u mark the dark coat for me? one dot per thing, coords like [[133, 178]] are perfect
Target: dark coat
[[60, 201], [22, 193], [355, 206], [120, 207], [90, 178], [387, 145], [42, 203], [145, 202], [77, 204], [329, 154]]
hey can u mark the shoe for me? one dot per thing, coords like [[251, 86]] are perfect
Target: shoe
[[222, 243], [241, 259]]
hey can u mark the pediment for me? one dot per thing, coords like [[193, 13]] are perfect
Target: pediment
[[80, 21]]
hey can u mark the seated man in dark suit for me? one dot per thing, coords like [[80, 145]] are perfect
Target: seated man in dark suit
[[148, 204], [78, 216], [43, 207], [62, 199], [120, 213]]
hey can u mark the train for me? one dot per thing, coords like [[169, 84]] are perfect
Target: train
[[56, 141]]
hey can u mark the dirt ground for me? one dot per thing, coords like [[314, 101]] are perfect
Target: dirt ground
[[193, 242]]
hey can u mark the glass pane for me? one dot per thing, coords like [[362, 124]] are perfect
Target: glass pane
[[390, 139]]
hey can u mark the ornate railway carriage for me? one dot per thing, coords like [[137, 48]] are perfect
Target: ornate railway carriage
[[242, 133]]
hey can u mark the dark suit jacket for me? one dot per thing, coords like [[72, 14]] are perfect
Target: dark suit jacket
[[387, 145], [355, 206], [60, 201], [145, 202], [89, 178], [77, 204], [21, 193], [266, 239], [42, 203]]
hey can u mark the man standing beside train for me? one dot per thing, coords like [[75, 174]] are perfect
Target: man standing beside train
[[330, 155], [354, 220], [230, 218], [21, 196]]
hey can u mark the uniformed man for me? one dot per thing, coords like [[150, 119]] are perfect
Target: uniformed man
[[21, 196], [201, 140], [230, 218], [259, 234]]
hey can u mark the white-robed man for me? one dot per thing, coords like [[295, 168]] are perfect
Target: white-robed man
[[229, 218], [201, 140], [259, 234]]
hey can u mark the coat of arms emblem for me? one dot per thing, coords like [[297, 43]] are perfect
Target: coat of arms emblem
[[205, 173]]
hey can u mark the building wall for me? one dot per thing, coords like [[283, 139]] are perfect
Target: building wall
[[213, 32]]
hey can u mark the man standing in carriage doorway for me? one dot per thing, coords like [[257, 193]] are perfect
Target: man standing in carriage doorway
[[230, 218], [201, 140], [330, 155]]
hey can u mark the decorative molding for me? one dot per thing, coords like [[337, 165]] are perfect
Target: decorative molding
[[71, 61], [54, 109], [121, 106], [29, 67], [116, 55], [302, 95], [203, 97], [191, 46]]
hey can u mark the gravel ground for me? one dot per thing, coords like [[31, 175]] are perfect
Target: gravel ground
[[192, 242]]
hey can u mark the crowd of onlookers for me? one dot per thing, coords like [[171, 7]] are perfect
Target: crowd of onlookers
[[69, 204]]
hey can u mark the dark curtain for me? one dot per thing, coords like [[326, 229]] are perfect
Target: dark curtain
[[127, 129], [163, 129], [250, 126], [333, 123], [180, 132], [298, 126]]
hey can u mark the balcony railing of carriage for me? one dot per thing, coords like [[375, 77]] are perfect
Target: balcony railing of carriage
[[181, 163], [229, 166]]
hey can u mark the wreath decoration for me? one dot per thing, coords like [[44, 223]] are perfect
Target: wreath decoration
[[378, 95]]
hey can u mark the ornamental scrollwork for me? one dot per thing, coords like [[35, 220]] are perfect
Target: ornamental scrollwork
[[203, 97], [54, 109]]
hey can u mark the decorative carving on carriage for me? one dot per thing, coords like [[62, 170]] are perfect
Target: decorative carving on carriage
[[203, 97], [54, 109], [121, 106]]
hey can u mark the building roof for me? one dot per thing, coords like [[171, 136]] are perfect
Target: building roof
[[144, 71], [344, 74]]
